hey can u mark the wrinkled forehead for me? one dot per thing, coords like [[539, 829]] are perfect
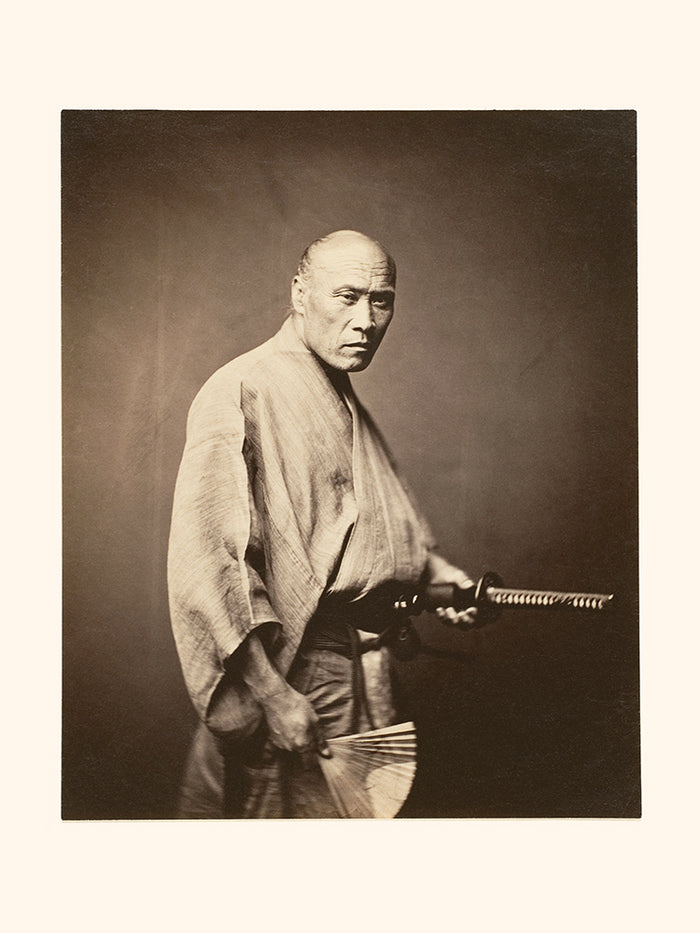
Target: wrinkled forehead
[[361, 259]]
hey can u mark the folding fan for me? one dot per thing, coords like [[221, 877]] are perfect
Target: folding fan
[[371, 773]]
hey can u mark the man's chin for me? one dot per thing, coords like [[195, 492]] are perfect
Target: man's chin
[[356, 362], [358, 365]]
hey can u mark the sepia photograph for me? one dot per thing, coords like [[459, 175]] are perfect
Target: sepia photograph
[[350, 465]]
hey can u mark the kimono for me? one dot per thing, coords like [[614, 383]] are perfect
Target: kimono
[[286, 495]]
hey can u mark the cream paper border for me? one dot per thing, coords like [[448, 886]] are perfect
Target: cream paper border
[[422, 875]]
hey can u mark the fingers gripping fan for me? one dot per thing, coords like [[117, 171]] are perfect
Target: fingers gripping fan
[[371, 773]]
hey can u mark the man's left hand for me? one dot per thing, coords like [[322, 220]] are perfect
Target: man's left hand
[[442, 571]]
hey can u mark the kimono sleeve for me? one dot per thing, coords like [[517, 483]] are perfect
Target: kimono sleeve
[[216, 566]]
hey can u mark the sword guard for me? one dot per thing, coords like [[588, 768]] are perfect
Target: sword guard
[[488, 611]]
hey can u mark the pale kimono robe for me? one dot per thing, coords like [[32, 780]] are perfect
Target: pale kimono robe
[[286, 492]]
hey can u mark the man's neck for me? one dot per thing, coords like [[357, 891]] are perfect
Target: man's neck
[[338, 378]]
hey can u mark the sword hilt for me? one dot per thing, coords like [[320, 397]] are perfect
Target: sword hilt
[[490, 597]]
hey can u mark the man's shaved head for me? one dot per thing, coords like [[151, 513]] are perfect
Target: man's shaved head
[[339, 238]]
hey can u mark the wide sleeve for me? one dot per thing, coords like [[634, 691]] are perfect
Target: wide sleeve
[[216, 563]]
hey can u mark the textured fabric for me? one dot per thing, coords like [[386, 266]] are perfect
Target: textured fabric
[[286, 491], [253, 780]]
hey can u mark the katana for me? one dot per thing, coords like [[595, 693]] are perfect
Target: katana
[[490, 596]]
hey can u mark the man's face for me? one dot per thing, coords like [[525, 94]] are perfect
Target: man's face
[[345, 306]]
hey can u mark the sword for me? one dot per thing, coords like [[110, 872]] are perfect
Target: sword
[[490, 597]]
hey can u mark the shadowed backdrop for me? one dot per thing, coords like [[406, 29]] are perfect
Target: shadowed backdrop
[[506, 387]]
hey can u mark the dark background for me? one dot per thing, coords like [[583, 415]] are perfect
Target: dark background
[[506, 387]]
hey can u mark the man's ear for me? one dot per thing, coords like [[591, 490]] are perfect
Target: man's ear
[[298, 295]]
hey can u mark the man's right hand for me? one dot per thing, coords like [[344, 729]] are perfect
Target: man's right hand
[[291, 720], [292, 723]]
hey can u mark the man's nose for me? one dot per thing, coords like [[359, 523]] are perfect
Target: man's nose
[[363, 318]]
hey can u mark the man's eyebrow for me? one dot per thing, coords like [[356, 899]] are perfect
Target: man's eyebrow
[[385, 291]]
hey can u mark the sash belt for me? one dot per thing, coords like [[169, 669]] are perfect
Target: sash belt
[[334, 627]]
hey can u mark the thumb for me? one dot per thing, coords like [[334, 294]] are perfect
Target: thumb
[[462, 581], [322, 747]]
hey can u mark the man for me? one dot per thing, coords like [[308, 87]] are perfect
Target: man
[[289, 521]]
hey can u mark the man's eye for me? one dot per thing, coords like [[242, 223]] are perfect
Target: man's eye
[[379, 302], [348, 297]]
